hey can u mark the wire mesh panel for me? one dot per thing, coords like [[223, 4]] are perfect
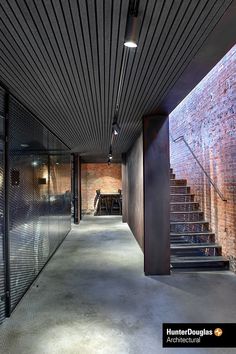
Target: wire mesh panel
[[62, 171], [21, 202], [40, 195], [36, 198], [2, 200], [54, 201], [59, 192]]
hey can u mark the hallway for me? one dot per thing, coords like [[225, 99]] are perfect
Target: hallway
[[92, 297]]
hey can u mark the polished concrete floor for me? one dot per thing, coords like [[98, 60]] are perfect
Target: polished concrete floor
[[92, 297]]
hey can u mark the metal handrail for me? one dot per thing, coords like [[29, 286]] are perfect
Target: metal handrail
[[199, 163]]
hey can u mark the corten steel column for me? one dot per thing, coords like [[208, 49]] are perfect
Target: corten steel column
[[124, 190], [156, 195], [76, 188]]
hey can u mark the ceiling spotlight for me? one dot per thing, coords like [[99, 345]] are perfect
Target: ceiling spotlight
[[35, 163], [24, 145], [115, 128], [131, 33], [130, 44], [110, 154]]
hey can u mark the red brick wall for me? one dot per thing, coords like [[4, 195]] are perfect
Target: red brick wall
[[98, 176], [207, 119]]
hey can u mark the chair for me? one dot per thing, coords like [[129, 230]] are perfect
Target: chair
[[96, 201], [116, 204], [103, 205], [120, 193]]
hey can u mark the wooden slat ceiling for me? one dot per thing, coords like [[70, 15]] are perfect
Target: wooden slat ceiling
[[62, 59]]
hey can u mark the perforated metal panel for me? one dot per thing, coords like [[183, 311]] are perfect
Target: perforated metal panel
[[60, 198], [2, 273], [36, 198]]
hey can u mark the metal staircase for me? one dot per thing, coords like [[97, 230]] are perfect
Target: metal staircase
[[192, 242]]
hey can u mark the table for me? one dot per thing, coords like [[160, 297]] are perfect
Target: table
[[108, 204]]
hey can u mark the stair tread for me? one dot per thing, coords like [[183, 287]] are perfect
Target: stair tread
[[194, 245], [190, 222], [186, 212], [191, 233], [180, 186], [180, 179], [200, 259], [187, 255], [185, 194], [183, 202]]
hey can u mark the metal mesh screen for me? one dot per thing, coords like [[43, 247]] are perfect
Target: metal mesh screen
[[2, 273], [39, 212], [60, 193]]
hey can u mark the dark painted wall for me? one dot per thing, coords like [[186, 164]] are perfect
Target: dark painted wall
[[156, 195], [133, 190], [76, 187], [124, 175], [146, 193]]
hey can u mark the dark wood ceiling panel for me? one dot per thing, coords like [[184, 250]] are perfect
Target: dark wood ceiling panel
[[63, 60]]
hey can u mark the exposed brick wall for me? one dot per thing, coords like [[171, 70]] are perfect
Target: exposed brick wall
[[98, 176], [207, 120], [60, 180]]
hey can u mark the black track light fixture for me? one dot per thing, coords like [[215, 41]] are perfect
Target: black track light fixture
[[131, 36], [131, 40], [131, 33], [115, 128], [109, 156]]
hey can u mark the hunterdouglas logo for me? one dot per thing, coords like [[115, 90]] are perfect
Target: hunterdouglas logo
[[189, 332], [215, 335]]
